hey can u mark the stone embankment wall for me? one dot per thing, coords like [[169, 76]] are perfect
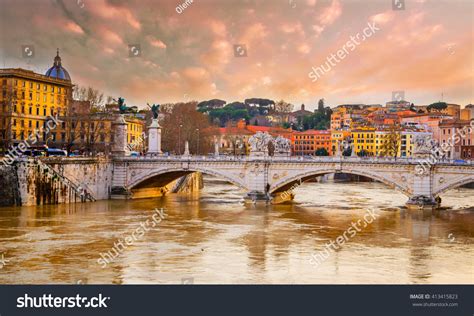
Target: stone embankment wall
[[55, 180], [40, 185], [9, 190]]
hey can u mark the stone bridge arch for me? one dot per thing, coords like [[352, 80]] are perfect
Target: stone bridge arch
[[398, 183], [453, 183], [177, 172]]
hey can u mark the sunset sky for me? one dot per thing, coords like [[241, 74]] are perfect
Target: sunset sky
[[424, 50]]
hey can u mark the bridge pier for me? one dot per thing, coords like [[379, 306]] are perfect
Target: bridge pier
[[254, 197], [422, 202]]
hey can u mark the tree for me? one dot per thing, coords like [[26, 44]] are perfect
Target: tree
[[182, 122], [362, 153], [438, 106], [283, 107], [264, 105], [321, 152], [321, 105], [94, 96], [206, 106], [389, 147], [87, 128]]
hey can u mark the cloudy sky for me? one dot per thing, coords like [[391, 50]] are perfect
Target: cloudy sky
[[424, 50]]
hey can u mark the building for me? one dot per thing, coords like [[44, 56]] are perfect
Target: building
[[28, 100], [297, 117], [347, 116], [451, 109], [364, 141], [339, 137], [308, 142], [88, 131], [468, 112], [460, 134], [394, 106], [405, 141], [234, 137]]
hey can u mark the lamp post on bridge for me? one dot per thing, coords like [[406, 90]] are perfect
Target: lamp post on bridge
[[179, 139], [197, 145]]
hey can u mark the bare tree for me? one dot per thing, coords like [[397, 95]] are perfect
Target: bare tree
[[182, 122]]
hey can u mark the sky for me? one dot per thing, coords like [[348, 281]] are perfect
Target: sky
[[238, 49]]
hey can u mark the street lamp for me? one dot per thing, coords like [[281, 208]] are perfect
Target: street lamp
[[179, 139], [47, 140], [197, 145]]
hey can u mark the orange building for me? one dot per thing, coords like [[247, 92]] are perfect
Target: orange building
[[308, 142]]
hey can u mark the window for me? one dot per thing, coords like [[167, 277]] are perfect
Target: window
[[44, 112], [30, 110], [30, 123], [31, 85], [45, 88], [37, 111], [38, 86], [45, 98]]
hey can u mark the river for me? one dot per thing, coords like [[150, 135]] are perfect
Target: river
[[211, 237]]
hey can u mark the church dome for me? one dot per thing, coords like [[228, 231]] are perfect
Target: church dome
[[58, 71]]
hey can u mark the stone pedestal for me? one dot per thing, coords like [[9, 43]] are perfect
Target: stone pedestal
[[119, 128], [154, 139], [186, 149], [216, 149]]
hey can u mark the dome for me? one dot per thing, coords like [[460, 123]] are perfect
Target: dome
[[58, 71]]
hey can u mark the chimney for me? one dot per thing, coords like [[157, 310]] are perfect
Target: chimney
[[302, 107]]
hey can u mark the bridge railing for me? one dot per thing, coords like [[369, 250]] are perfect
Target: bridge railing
[[329, 159]]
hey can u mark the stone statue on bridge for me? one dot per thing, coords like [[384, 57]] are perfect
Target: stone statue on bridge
[[123, 108], [282, 146], [424, 144], [155, 110], [259, 144]]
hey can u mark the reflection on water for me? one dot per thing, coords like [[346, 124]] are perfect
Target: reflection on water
[[214, 238]]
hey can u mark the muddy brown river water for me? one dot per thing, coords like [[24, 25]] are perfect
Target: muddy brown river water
[[211, 237]]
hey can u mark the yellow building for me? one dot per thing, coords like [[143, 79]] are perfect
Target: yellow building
[[28, 100], [338, 137], [364, 140], [135, 132], [405, 142], [89, 131]]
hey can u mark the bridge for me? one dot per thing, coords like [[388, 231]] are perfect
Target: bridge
[[265, 177]]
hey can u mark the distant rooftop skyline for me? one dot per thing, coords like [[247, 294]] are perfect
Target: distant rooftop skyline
[[150, 51]]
